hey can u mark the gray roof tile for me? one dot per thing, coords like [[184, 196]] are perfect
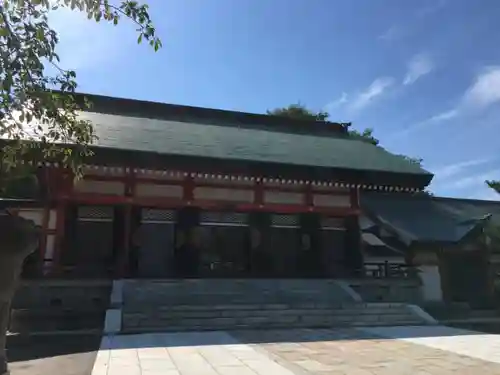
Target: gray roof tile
[[428, 219], [243, 143]]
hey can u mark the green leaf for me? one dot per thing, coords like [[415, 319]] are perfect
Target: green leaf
[[39, 34], [28, 46]]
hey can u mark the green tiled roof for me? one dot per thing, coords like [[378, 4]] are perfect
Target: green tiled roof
[[471, 208], [244, 143], [428, 219]]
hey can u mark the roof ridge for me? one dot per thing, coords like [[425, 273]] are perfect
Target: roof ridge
[[231, 118]]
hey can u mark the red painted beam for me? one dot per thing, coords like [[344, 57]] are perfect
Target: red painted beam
[[161, 202], [155, 181]]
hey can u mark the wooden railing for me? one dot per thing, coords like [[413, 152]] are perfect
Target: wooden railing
[[388, 270]]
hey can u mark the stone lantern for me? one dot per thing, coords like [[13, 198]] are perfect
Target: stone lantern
[[18, 238]]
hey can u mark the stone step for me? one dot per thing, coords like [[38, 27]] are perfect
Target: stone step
[[187, 318], [208, 291]]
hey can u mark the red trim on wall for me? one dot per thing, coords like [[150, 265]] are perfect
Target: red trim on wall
[[186, 181], [165, 202]]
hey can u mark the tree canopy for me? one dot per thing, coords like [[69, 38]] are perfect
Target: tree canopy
[[301, 112], [495, 185], [38, 114]]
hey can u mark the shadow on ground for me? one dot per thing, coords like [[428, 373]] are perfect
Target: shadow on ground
[[26, 348], [269, 336], [79, 351]]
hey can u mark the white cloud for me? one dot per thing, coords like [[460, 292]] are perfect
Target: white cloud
[[433, 8], [419, 66], [485, 193], [440, 117], [337, 102], [485, 90], [376, 89], [466, 178], [482, 93], [443, 116], [392, 33], [474, 180], [412, 23], [450, 170]]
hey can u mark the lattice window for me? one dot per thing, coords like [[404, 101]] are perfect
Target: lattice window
[[285, 221], [332, 223], [95, 213], [224, 218], [151, 214]]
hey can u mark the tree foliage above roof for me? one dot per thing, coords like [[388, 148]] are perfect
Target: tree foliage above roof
[[38, 121], [495, 185], [301, 112]]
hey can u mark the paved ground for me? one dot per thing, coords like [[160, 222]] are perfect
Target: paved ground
[[363, 351], [370, 351]]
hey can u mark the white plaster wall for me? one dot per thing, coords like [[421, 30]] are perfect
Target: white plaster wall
[[156, 190], [100, 187], [324, 200], [35, 215], [431, 283], [52, 219], [49, 247], [224, 182], [283, 197], [222, 194]]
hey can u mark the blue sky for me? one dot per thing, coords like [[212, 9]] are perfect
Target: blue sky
[[424, 74]]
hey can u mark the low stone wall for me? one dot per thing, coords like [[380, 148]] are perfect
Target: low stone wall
[[67, 294], [388, 290], [59, 305]]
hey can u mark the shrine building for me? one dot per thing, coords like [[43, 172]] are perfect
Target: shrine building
[[178, 191]]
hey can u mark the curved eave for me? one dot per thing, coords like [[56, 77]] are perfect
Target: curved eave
[[141, 159]]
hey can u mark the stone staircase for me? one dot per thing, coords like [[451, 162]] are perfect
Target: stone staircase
[[183, 305]]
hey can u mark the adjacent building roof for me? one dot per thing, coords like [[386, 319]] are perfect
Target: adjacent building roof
[[419, 218], [216, 135]]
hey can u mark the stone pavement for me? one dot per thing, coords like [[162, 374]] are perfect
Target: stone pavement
[[363, 351]]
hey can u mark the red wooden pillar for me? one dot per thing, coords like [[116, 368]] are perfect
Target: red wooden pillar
[[122, 264], [64, 187], [259, 193], [308, 197], [188, 188]]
